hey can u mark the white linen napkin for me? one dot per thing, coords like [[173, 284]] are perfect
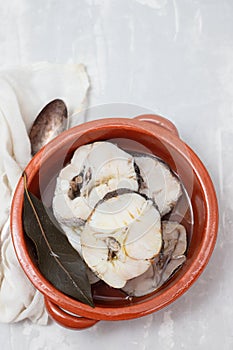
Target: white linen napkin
[[24, 91]]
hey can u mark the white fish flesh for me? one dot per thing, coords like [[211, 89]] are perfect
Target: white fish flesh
[[158, 183], [172, 256], [121, 237]]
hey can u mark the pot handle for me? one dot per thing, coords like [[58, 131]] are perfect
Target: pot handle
[[159, 121], [66, 319]]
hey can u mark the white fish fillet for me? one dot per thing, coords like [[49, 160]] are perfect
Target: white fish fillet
[[175, 245], [120, 238], [159, 184]]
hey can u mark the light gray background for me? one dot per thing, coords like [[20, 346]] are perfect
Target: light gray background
[[176, 58]]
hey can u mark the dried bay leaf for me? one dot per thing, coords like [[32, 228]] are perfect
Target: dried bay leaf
[[58, 261]]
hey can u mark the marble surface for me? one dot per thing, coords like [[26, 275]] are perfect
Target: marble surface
[[176, 59]]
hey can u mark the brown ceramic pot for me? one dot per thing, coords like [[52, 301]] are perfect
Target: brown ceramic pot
[[160, 136]]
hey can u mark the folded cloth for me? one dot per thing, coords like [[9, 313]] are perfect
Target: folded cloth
[[24, 91]]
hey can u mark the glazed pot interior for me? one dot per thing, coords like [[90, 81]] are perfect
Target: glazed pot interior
[[42, 179]]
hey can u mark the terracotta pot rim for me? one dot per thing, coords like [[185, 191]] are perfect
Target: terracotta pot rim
[[157, 302]]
